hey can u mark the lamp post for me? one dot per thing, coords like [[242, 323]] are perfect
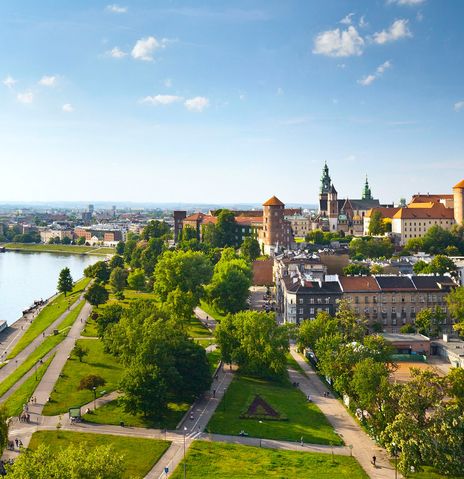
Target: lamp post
[[395, 455], [94, 398], [185, 465]]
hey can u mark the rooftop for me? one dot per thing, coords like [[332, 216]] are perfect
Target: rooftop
[[404, 338], [274, 201]]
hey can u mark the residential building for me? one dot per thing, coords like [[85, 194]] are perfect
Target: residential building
[[450, 348], [100, 234]]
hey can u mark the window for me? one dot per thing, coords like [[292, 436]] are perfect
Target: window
[[311, 311], [327, 300], [366, 299], [300, 310], [311, 300], [374, 299], [393, 298], [319, 300], [300, 300]]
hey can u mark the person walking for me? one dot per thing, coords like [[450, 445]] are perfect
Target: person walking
[[374, 459]]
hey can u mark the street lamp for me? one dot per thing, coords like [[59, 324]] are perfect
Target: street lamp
[[94, 398], [185, 465], [395, 455]]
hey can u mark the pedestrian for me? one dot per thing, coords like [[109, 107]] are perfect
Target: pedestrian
[[214, 393], [16, 442], [373, 460], [301, 441]]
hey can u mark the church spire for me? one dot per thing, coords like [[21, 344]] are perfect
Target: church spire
[[325, 180], [366, 194]]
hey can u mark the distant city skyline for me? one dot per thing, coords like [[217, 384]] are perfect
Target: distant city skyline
[[213, 102]]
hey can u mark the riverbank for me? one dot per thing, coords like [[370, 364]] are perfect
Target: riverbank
[[59, 248]]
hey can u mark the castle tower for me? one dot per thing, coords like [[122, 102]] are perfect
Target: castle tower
[[324, 191], [332, 208], [275, 229], [458, 196], [366, 193]]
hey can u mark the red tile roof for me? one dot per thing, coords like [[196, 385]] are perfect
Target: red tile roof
[[385, 212], [459, 185], [358, 283], [274, 201], [438, 211]]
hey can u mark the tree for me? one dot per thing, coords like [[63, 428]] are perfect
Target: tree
[[187, 234], [99, 271], [150, 254], [74, 461], [376, 269], [229, 288], [136, 280], [65, 281], [315, 236], [116, 262], [66, 240], [414, 245], [367, 247], [226, 228], [312, 329], [96, 295], [407, 329], [81, 240], [420, 267], [356, 269], [255, 342], [155, 229], [441, 264], [250, 249], [120, 248], [429, 321], [91, 382], [187, 270], [110, 314], [455, 303], [80, 352], [376, 225], [118, 279], [3, 427]]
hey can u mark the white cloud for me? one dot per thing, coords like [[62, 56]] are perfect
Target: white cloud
[[398, 29], [198, 103], [347, 20], [367, 80], [406, 2], [48, 80], [458, 106], [116, 52], [25, 97], [339, 43], [168, 83], [362, 22], [67, 108], [280, 91], [116, 8], [145, 47], [162, 99], [379, 71], [9, 81], [242, 96]]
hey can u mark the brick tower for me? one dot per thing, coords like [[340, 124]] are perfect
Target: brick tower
[[276, 230]]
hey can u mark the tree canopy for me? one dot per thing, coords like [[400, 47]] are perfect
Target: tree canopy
[[65, 281]]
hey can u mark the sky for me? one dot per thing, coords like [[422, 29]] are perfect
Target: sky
[[229, 101]]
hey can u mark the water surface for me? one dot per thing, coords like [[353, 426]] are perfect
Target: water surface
[[25, 277]]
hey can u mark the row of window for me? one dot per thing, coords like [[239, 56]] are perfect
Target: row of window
[[421, 298]]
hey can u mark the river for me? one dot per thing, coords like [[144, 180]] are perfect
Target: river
[[25, 277]]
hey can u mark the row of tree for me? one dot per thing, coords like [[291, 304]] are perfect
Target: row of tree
[[412, 419]]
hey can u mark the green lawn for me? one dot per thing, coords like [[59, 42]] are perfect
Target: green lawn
[[292, 364], [90, 329], [212, 311], [14, 404], [205, 342], [59, 248], [45, 347], [140, 454], [66, 394], [232, 461], [113, 413], [213, 358], [304, 419], [48, 315], [197, 330], [429, 473]]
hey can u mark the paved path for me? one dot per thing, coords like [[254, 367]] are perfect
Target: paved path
[[208, 322], [350, 431]]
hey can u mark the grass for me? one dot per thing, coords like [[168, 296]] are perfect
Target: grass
[[196, 329], [304, 419], [292, 364], [140, 454], [113, 413], [214, 357], [429, 473], [90, 329], [233, 461], [59, 248], [48, 315], [14, 404], [43, 349], [66, 394], [205, 342], [211, 311]]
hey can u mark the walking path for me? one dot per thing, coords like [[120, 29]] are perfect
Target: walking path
[[363, 446], [208, 322]]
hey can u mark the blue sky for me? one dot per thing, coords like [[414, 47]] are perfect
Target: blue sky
[[233, 101]]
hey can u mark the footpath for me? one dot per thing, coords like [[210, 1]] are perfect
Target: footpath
[[363, 447]]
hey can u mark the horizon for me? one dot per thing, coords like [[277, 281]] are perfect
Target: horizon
[[132, 100]]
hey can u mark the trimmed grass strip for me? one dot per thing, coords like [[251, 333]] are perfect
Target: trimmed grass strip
[[48, 315], [66, 394], [140, 454], [304, 419], [232, 461], [14, 404], [59, 248]]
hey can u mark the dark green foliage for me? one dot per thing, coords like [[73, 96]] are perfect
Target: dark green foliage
[[99, 271], [155, 229], [356, 269], [255, 342], [376, 224], [250, 249], [65, 281], [120, 248], [367, 247], [91, 381], [96, 295], [110, 314], [116, 262], [118, 279]]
